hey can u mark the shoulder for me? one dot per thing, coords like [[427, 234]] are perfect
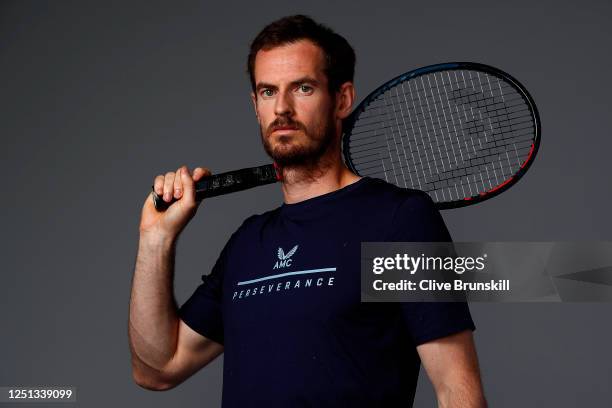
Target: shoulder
[[256, 221], [391, 195], [253, 225], [412, 214]]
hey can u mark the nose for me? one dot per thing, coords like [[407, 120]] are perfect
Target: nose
[[283, 104]]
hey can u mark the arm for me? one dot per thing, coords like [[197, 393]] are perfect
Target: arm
[[165, 351], [452, 366]]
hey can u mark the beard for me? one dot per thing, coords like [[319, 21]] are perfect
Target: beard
[[288, 152]]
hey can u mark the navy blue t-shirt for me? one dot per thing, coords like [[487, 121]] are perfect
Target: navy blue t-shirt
[[284, 300]]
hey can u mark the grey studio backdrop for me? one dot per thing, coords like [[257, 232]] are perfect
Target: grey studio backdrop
[[96, 98]]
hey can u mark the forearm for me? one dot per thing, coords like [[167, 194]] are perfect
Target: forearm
[[153, 316], [461, 394]]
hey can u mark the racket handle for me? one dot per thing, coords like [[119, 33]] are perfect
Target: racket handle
[[229, 182]]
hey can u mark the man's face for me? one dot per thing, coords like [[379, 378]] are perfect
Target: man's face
[[293, 104]]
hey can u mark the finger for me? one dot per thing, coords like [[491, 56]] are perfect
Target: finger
[[168, 186], [158, 185], [188, 186], [178, 183], [200, 172]]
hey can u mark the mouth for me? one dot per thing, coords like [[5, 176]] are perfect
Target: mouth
[[281, 132], [284, 129]]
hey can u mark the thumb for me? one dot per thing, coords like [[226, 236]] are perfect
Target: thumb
[[200, 172], [188, 187]]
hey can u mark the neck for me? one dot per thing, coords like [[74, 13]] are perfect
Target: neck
[[311, 180]]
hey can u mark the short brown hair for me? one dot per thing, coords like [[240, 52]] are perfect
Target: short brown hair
[[339, 55]]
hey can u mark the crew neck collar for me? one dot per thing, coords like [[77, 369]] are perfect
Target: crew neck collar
[[320, 199]]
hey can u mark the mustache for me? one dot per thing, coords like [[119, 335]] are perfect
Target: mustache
[[284, 122]]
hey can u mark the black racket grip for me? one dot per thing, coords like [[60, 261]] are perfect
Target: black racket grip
[[229, 182]]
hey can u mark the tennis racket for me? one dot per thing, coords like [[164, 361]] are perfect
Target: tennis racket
[[462, 132]]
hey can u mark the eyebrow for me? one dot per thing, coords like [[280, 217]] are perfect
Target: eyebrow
[[297, 82]]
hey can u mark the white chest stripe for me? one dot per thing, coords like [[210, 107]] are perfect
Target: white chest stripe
[[282, 275]]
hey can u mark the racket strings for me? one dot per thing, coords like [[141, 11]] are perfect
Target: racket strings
[[475, 161], [464, 171], [501, 112], [425, 98], [514, 127], [478, 127], [454, 134]]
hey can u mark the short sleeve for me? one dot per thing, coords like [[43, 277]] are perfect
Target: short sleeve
[[203, 310], [417, 220]]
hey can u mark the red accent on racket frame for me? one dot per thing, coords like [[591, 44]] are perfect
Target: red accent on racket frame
[[528, 156], [497, 187]]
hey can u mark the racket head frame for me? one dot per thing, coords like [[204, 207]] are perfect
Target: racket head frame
[[349, 123]]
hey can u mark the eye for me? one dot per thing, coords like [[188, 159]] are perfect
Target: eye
[[305, 89], [267, 92]]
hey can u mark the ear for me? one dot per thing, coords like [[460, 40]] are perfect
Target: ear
[[344, 100], [254, 100]]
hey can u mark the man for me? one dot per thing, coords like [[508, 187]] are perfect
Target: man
[[283, 299]]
